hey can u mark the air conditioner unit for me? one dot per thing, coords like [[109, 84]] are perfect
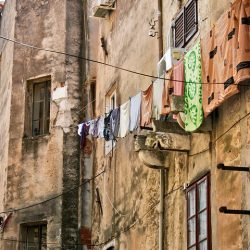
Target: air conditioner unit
[[170, 57], [103, 7]]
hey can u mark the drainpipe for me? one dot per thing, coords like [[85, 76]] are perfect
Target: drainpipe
[[161, 212], [160, 38]]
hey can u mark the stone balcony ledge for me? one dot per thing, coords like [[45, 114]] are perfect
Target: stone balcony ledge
[[158, 149]]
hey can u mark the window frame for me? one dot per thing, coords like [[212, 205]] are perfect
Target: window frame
[[29, 107], [46, 104], [195, 186], [24, 234], [186, 37], [110, 104]]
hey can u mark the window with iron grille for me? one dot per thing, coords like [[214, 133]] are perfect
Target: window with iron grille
[[186, 24], [198, 215]]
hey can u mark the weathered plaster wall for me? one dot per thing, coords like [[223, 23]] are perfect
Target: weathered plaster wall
[[132, 187], [41, 167], [6, 63], [127, 184]]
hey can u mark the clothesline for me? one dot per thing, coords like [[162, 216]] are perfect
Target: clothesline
[[99, 62], [222, 54]]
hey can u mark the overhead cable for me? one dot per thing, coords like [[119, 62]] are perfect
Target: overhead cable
[[103, 63], [54, 197]]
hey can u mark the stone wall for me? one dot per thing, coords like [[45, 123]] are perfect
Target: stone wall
[[41, 167], [128, 188], [6, 64]]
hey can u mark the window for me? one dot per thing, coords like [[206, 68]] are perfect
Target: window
[[110, 105], [112, 101], [92, 97], [41, 108], [34, 237], [186, 24], [198, 215]]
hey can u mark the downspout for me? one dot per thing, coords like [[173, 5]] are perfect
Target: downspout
[[160, 23], [162, 171], [161, 211]]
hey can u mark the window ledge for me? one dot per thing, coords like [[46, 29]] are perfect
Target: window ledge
[[37, 137]]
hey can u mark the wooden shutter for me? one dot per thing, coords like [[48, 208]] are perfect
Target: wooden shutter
[[191, 21], [179, 30]]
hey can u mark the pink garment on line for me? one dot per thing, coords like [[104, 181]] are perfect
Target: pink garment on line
[[178, 74]]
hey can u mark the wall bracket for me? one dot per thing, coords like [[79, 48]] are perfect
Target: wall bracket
[[233, 168], [234, 211]]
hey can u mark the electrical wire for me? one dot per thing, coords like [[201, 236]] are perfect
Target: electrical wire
[[112, 205], [105, 64], [219, 137], [54, 197], [137, 220], [114, 237]]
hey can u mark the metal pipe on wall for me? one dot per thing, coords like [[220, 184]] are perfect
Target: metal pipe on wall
[[162, 171], [160, 22], [161, 212]]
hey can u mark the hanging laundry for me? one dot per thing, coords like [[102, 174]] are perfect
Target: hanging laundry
[[178, 78], [218, 63], [95, 129], [124, 118], [91, 127], [167, 91], [79, 131], [158, 87], [171, 57], [107, 127], [115, 123], [146, 106], [225, 56], [84, 133], [241, 17], [193, 89], [135, 110], [100, 128]]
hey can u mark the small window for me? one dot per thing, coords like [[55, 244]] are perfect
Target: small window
[[92, 97], [111, 104], [198, 215], [186, 24], [41, 108], [34, 237]]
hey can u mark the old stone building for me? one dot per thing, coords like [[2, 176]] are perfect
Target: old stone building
[[40, 102], [162, 188], [66, 62]]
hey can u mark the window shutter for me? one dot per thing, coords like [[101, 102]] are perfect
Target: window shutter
[[190, 20], [179, 30]]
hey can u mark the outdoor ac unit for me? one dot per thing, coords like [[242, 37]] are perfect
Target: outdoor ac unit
[[102, 7], [169, 58]]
